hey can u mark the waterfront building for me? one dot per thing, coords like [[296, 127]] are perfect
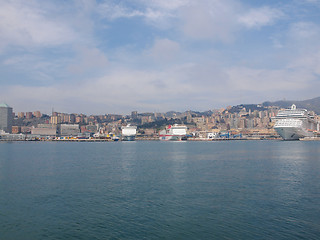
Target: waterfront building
[[69, 129], [44, 130], [25, 129], [16, 129], [6, 118]]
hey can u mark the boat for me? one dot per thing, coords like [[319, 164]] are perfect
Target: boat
[[115, 138], [293, 123], [128, 132], [174, 133]]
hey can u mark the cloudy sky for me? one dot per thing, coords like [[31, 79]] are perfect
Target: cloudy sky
[[115, 56]]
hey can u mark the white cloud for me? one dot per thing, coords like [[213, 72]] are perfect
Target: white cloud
[[114, 11], [199, 86], [88, 60], [177, 87], [166, 5], [164, 50], [27, 24], [265, 84], [159, 14], [260, 17], [204, 19], [304, 31], [121, 90], [35, 69], [260, 80], [303, 44], [214, 20], [222, 20], [309, 62]]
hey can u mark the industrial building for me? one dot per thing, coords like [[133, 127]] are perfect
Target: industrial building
[[69, 129], [44, 130]]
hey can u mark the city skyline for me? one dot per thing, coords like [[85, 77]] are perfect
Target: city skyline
[[109, 56], [313, 105]]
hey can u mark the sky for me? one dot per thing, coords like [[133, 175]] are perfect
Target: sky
[[117, 56]]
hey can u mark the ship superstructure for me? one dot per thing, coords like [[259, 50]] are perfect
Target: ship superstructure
[[293, 123], [129, 132], [174, 133]]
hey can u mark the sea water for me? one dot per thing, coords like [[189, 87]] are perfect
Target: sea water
[[160, 190]]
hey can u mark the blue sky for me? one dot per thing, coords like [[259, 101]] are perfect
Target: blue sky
[[108, 56]]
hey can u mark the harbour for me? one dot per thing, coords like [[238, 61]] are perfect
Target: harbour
[[242, 122], [147, 120], [150, 139]]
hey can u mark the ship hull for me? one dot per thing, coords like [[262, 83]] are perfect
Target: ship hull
[[172, 138], [292, 133], [128, 138]]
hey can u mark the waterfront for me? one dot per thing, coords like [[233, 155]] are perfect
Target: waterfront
[[160, 190]]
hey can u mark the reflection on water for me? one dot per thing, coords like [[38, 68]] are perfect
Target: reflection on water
[[296, 164], [177, 157], [128, 159]]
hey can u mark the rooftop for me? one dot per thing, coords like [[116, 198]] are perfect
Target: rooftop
[[4, 105]]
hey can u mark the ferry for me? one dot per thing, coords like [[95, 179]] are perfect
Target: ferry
[[129, 133], [174, 133]]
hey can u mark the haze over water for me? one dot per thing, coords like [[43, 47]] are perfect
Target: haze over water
[[160, 190]]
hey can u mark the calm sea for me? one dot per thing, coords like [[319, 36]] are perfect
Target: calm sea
[[160, 190]]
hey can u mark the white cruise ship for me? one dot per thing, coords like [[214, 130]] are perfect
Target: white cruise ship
[[293, 123], [174, 133]]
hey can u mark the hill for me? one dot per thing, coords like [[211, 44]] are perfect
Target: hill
[[252, 107], [310, 104]]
